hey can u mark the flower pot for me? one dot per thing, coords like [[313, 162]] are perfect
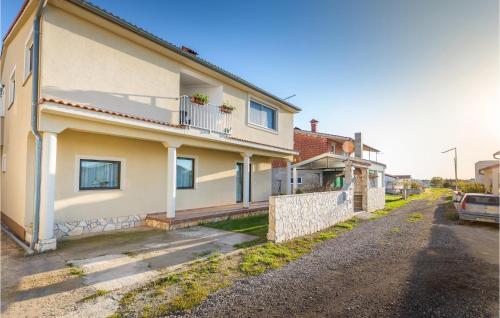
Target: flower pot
[[225, 109], [197, 101]]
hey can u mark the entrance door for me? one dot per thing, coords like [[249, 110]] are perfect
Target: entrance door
[[239, 182]]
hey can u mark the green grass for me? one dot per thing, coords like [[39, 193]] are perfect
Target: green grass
[[415, 217], [395, 230], [256, 225], [75, 271], [98, 293], [187, 289]]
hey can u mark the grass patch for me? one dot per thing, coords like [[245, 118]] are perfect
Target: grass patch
[[256, 225], [75, 271], [395, 230], [184, 290], [98, 293], [415, 217]]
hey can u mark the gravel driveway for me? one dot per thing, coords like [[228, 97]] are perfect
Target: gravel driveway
[[387, 267]]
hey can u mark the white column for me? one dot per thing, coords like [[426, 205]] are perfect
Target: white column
[[288, 182], [171, 181], [294, 187], [46, 239], [246, 179]]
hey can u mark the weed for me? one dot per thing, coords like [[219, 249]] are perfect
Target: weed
[[98, 293], [415, 217], [75, 271], [395, 230]]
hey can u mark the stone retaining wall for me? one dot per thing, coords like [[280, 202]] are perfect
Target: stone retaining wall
[[376, 199], [296, 215], [70, 229]]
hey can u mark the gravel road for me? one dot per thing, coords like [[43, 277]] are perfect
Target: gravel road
[[384, 268]]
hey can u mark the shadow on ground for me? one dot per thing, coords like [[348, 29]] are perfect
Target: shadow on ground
[[453, 277]]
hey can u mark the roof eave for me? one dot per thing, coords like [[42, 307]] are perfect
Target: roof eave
[[115, 19]]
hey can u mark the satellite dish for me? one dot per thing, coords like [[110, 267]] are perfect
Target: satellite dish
[[348, 147]]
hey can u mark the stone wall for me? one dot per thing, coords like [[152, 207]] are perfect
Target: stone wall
[[296, 215], [375, 199], [71, 229]]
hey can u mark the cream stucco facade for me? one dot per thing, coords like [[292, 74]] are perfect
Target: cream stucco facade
[[109, 93]]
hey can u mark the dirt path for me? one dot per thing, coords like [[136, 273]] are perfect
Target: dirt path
[[388, 267]]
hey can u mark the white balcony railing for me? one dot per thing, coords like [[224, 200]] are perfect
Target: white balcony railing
[[207, 117]]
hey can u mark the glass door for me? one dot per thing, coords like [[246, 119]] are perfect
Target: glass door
[[239, 182]]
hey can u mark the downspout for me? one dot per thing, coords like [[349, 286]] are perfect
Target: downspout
[[34, 122]]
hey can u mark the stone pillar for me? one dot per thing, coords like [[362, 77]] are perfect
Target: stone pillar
[[294, 187], [348, 173], [246, 179], [171, 181], [46, 238], [288, 177]]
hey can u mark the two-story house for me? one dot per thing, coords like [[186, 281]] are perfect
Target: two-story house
[[104, 124]]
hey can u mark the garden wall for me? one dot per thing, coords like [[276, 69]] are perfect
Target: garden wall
[[376, 199], [296, 215]]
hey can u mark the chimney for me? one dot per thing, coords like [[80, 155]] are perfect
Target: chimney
[[188, 50], [358, 145], [314, 124]]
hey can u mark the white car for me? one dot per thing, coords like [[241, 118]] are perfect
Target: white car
[[479, 207]]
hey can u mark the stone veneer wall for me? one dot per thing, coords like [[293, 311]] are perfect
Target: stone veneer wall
[[70, 229], [376, 199], [296, 215]]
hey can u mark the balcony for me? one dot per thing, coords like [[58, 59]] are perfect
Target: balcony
[[206, 117]]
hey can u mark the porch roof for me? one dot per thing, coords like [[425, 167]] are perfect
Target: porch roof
[[329, 160], [162, 131]]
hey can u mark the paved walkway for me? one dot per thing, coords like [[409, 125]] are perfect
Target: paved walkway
[[43, 285]]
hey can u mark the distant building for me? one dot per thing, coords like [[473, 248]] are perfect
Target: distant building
[[395, 183], [487, 173]]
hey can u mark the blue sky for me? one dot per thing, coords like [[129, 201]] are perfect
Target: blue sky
[[415, 77]]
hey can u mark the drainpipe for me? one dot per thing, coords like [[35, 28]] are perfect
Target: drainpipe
[[34, 122]]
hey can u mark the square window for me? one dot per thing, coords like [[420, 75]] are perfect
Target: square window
[[99, 174], [299, 180], [262, 115], [185, 173]]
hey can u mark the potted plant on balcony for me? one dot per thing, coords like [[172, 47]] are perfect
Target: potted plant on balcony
[[226, 108], [199, 99]]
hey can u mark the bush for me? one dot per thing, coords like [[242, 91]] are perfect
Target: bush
[[471, 187]]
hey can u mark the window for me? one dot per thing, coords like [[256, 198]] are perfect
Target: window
[[185, 173], [99, 174], [12, 88], [28, 59], [262, 115], [299, 180]]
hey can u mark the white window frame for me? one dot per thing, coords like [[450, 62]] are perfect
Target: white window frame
[[299, 180], [4, 162], [12, 88], [254, 125], [27, 44], [123, 173]]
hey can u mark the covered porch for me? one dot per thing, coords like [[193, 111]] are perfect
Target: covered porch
[[98, 175]]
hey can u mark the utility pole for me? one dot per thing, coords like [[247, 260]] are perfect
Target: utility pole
[[455, 160]]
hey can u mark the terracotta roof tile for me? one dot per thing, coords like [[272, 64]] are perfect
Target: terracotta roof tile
[[105, 111]]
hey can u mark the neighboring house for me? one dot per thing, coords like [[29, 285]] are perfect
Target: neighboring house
[[395, 183], [487, 173], [120, 137], [320, 165]]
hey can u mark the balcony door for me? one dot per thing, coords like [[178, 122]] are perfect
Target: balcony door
[[239, 182]]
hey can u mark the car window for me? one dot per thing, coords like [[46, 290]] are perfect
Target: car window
[[484, 200]]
